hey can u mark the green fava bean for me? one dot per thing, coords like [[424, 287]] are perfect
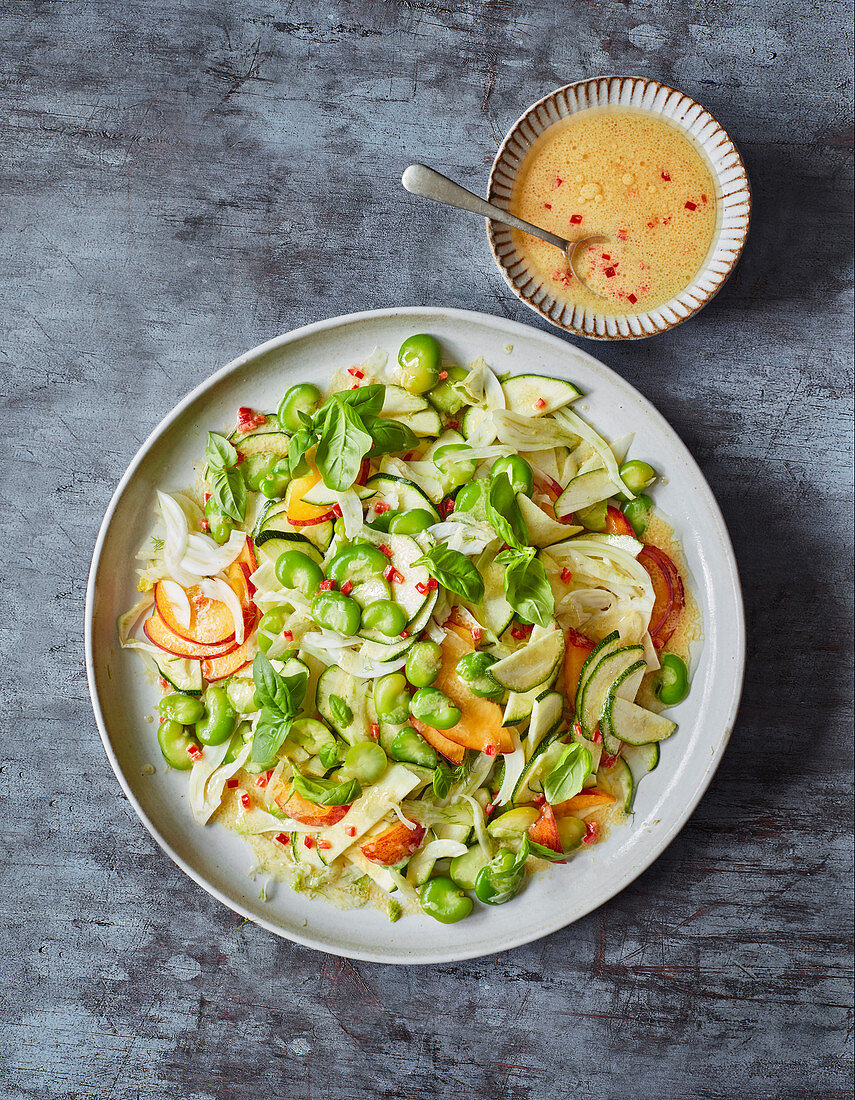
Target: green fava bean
[[500, 879], [219, 721], [672, 681], [423, 663], [303, 398], [174, 742], [594, 518], [446, 396], [412, 522], [420, 359], [434, 708], [391, 698], [294, 569], [275, 483], [333, 611], [474, 668], [356, 563], [219, 526], [444, 900], [518, 472], [410, 747], [453, 463], [186, 709], [386, 616], [256, 468], [470, 498], [637, 475], [381, 521], [638, 513], [366, 762], [465, 869]]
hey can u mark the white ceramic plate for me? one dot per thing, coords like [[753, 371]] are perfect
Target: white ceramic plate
[[218, 860]]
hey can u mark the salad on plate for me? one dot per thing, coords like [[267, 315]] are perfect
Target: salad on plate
[[414, 635]]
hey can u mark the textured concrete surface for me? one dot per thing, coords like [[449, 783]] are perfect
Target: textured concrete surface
[[184, 180]]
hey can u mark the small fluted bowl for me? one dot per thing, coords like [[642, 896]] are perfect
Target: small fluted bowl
[[733, 198]]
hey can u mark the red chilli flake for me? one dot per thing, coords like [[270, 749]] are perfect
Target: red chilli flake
[[404, 634], [666, 177], [163, 683], [287, 635], [380, 507], [477, 634], [384, 549], [347, 588], [392, 574], [607, 761], [621, 234], [610, 272], [432, 584], [203, 523], [249, 419], [539, 799], [490, 750], [632, 298], [548, 205], [566, 575], [689, 205], [375, 730], [350, 830], [606, 256], [264, 779], [355, 386], [596, 736], [520, 632], [309, 841], [282, 838], [540, 403], [575, 219], [443, 374], [355, 372], [194, 752], [422, 588], [558, 181], [324, 844], [455, 424], [448, 506], [488, 809], [326, 586], [245, 801], [231, 784], [590, 833]]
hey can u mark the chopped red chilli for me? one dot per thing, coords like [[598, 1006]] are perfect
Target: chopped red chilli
[[566, 575], [384, 549], [392, 574], [455, 424], [287, 635], [404, 634], [632, 298], [432, 584], [540, 403], [245, 800], [249, 419], [490, 750], [443, 374], [282, 838], [610, 272], [350, 830], [597, 736], [666, 177], [231, 784], [476, 634], [590, 832], [326, 586], [689, 205], [347, 588], [448, 506], [194, 752], [488, 809], [421, 588], [309, 841], [575, 219], [356, 372], [375, 730], [264, 778], [380, 507], [337, 510], [324, 844]]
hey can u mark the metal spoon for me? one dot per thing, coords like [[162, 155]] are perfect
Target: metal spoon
[[421, 180]]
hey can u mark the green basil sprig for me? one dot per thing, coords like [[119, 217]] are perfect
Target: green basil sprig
[[228, 489], [280, 698], [343, 444], [454, 571], [503, 513], [443, 777], [327, 792], [527, 588], [569, 774]]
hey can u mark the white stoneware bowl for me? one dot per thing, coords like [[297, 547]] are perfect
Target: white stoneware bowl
[[218, 860], [733, 197]]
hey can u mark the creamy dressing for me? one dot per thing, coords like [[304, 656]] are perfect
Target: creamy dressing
[[631, 177]]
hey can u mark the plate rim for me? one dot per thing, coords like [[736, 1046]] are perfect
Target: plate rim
[[506, 325]]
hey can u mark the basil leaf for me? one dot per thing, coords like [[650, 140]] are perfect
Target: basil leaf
[[503, 513], [527, 588], [326, 792], [329, 754], [455, 572], [228, 491], [569, 774], [300, 442], [389, 435], [281, 694], [341, 712], [343, 444], [219, 453], [365, 400], [270, 732]]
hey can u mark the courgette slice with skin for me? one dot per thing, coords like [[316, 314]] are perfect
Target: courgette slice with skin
[[625, 687], [520, 704], [494, 611], [538, 395], [542, 530], [270, 545], [423, 423], [398, 403], [532, 665], [544, 759], [476, 428], [353, 692], [618, 780], [609, 644], [592, 701], [398, 493], [546, 718], [272, 443], [637, 726], [183, 674], [641, 759]]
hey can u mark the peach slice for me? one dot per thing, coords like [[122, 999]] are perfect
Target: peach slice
[[449, 749], [575, 655], [545, 830], [393, 845], [591, 799], [297, 512], [160, 634], [307, 812], [617, 523], [210, 623], [480, 725]]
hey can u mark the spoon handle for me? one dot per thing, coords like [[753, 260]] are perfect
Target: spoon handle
[[421, 180]]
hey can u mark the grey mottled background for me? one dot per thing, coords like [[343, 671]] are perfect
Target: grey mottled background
[[183, 180]]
